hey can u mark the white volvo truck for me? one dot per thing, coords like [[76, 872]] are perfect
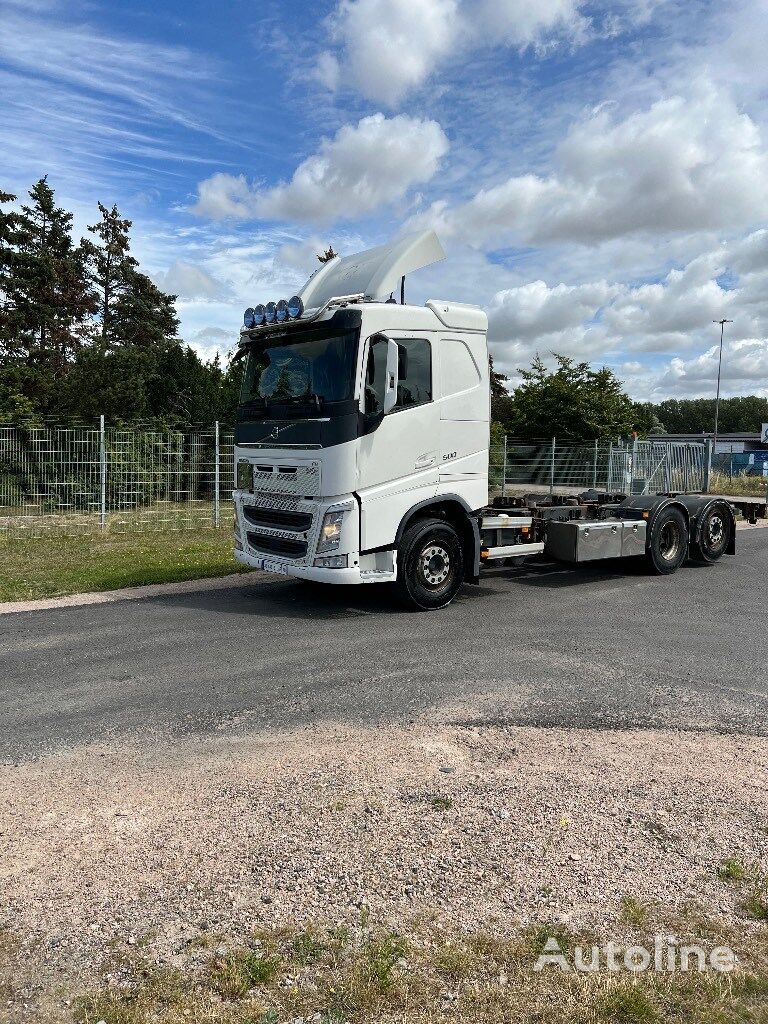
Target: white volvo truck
[[361, 447]]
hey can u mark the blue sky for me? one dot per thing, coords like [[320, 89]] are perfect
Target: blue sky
[[598, 172]]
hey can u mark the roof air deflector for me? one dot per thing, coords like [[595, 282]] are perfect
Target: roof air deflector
[[374, 273]]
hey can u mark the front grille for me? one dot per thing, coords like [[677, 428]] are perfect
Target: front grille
[[302, 480], [278, 518], [277, 545]]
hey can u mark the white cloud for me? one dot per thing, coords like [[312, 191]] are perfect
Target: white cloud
[[361, 169], [188, 281], [537, 312], [669, 314], [680, 166], [745, 369], [387, 48], [610, 322], [327, 71], [224, 196], [522, 23]]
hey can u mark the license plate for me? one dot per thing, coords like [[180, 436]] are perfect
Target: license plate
[[268, 566]]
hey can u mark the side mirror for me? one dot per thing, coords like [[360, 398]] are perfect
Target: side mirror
[[390, 388]]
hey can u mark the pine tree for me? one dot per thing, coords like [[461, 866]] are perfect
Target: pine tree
[[143, 315], [9, 239], [47, 288], [110, 265]]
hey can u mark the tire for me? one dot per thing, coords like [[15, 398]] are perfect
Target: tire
[[668, 547], [430, 565], [714, 534]]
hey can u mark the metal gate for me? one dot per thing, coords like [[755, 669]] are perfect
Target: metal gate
[[648, 467]]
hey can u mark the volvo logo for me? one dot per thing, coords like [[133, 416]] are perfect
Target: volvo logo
[[277, 430]]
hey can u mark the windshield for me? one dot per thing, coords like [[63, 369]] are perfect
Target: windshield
[[317, 367]]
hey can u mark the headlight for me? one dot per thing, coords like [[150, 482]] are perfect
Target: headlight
[[244, 475], [330, 534], [248, 320], [270, 312], [281, 311], [259, 313]]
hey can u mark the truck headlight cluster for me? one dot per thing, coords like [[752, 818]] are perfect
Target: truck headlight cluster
[[330, 533], [244, 475], [273, 312]]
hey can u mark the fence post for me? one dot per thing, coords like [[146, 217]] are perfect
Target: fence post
[[594, 469], [102, 476], [609, 470], [216, 509], [708, 465], [504, 470], [552, 470]]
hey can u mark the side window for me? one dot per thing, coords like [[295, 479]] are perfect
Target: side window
[[414, 373], [375, 376]]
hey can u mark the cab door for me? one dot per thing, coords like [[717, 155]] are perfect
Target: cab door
[[398, 460]]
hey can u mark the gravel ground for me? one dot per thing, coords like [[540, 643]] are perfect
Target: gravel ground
[[103, 847]]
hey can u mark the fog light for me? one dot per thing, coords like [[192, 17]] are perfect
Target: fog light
[[332, 562]]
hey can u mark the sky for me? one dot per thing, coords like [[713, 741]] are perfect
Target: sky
[[597, 172]]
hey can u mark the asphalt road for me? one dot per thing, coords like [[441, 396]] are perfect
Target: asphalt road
[[607, 646]]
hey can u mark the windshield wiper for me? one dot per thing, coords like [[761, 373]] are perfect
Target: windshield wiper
[[309, 397]]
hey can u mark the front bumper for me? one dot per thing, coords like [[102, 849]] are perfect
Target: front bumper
[[350, 575], [281, 534]]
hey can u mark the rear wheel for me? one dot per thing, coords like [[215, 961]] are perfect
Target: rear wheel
[[714, 534], [668, 547], [430, 565]]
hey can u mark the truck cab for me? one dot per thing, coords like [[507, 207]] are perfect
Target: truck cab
[[360, 416]]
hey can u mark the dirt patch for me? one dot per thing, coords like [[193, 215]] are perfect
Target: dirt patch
[[474, 826]]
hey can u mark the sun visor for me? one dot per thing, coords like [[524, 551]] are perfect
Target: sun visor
[[374, 273]]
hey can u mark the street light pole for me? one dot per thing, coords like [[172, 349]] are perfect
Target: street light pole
[[719, 371]]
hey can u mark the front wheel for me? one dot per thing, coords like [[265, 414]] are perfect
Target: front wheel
[[430, 565], [668, 546]]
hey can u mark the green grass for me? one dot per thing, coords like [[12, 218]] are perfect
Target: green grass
[[741, 485], [53, 566], [756, 903], [235, 974], [732, 871], [442, 803], [633, 912], [376, 976]]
